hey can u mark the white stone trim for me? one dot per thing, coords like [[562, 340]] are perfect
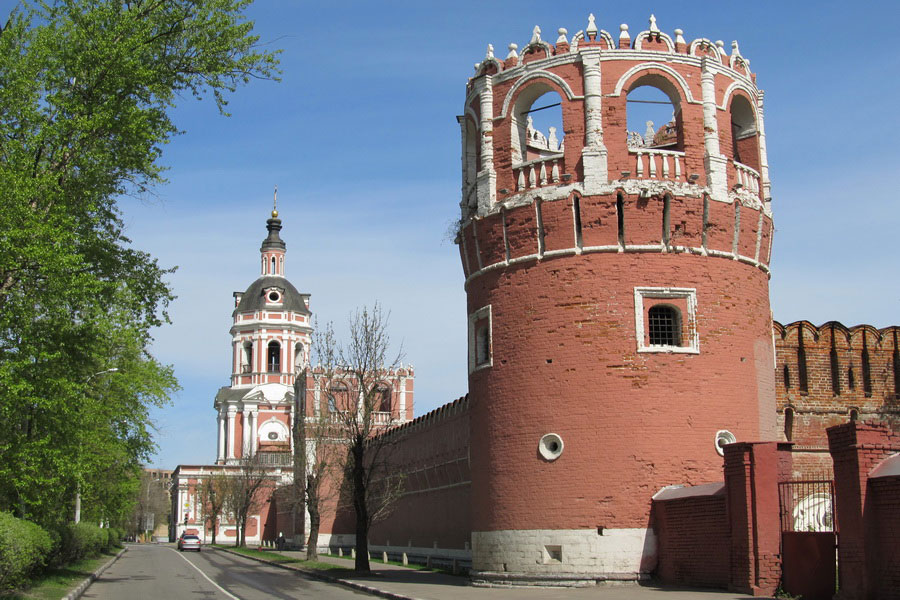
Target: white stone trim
[[619, 554], [525, 80], [690, 319], [482, 313], [678, 79]]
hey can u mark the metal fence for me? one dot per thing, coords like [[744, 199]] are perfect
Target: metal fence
[[807, 505]]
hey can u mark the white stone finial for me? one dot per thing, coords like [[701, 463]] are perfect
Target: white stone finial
[[592, 25], [562, 31], [477, 67], [490, 52], [623, 35], [536, 35], [512, 51], [653, 27], [721, 46], [679, 37], [735, 50]]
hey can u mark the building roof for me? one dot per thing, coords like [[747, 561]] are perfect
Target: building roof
[[253, 299]]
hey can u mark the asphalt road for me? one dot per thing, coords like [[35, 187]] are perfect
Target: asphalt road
[[155, 571]]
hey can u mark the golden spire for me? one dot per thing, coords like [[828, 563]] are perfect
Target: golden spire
[[275, 204]]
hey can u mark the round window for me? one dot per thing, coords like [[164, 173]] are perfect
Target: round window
[[723, 438], [550, 446], [273, 435], [273, 296]]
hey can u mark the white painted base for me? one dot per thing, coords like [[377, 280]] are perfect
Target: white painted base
[[562, 556]]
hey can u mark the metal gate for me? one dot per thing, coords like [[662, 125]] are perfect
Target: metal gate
[[808, 538]]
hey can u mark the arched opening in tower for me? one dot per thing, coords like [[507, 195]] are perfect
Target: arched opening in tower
[[744, 134], [653, 115], [274, 357], [537, 124]]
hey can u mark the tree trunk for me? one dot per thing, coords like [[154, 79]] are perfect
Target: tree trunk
[[359, 506], [312, 505]]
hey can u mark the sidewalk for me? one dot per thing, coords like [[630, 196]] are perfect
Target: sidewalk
[[400, 582]]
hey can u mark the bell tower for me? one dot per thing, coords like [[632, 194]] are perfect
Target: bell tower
[[270, 338], [618, 292]]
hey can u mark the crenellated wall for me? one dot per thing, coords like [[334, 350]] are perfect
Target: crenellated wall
[[829, 375]]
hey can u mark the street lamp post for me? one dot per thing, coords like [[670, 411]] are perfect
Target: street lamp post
[[78, 483]]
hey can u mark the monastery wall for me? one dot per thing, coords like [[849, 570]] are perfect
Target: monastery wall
[[827, 376]]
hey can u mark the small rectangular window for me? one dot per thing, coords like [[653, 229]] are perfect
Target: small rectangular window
[[666, 320], [480, 339]]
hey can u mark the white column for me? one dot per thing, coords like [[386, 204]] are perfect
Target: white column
[[220, 454], [317, 397], [763, 159], [594, 154], [254, 439], [713, 161], [230, 441], [403, 398], [486, 180], [246, 434], [293, 424]]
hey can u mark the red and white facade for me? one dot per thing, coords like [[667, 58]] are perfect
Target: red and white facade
[[270, 343], [618, 295]]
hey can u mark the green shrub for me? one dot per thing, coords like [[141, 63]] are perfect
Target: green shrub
[[80, 540], [24, 550]]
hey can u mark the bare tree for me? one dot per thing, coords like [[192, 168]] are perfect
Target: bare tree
[[245, 494], [213, 494], [318, 450], [354, 377]]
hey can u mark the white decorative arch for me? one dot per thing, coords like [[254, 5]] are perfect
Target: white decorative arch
[[273, 425], [639, 40], [679, 80], [527, 79], [705, 43], [740, 85]]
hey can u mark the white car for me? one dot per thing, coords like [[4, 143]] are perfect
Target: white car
[[189, 542]]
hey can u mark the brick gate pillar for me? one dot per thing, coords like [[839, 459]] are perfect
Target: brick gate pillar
[[751, 484], [856, 448]]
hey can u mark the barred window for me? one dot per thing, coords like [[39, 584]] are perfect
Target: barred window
[[664, 325]]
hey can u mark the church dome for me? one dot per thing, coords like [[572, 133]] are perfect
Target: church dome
[[257, 296]]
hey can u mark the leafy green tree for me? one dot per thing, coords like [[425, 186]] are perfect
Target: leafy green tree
[[86, 91]]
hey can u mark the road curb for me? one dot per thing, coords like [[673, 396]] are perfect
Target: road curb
[[327, 578], [77, 592]]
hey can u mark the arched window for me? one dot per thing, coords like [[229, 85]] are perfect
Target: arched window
[[744, 142], [653, 118], [247, 358], [274, 357], [273, 266], [664, 325], [537, 124], [338, 395], [383, 398], [854, 414], [299, 356], [789, 424]]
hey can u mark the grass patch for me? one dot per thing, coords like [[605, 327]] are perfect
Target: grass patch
[[56, 583], [414, 566], [273, 556]]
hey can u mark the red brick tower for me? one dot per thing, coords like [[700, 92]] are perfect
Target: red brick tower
[[618, 298]]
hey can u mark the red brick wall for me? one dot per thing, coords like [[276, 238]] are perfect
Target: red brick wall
[[885, 547], [856, 449], [433, 453], [693, 535], [831, 349], [565, 360]]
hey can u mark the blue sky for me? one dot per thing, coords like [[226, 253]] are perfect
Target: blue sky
[[361, 138]]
